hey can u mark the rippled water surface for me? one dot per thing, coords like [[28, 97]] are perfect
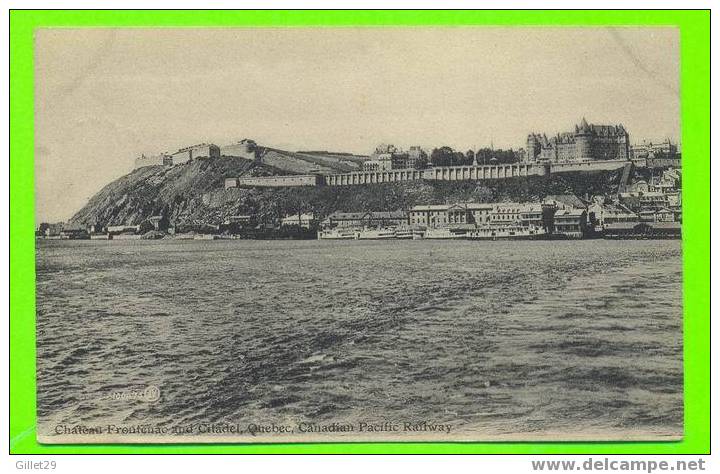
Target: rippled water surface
[[497, 339]]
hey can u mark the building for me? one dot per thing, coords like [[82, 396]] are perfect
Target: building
[[564, 201], [639, 201], [604, 214], [479, 213], [662, 214], [654, 200], [345, 220], [389, 157], [381, 159], [646, 149], [51, 229], [202, 150], [448, 215], [524, 214], [640, 186], [664, 161], [388, 218], [436, 215], [245, 148], [74, 231], [570, 223], [162, 159], [476, 214], [305, 221], [236, 223], [668, 182], [588, 142], [123, 229], [381, 162], [416, 157], [365, 219], [666, 230], [656, 155], [674, 200]]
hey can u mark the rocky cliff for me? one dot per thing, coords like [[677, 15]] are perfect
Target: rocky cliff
[[194, 194]]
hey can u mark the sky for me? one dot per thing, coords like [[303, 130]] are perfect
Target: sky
[[105, 96]]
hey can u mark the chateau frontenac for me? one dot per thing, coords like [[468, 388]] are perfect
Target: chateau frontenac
[[588, 142]]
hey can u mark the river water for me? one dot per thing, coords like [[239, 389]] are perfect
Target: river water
[[168, 340]]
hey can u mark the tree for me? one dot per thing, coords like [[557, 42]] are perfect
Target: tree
[[470, 157], [421, 162], [442, 156]]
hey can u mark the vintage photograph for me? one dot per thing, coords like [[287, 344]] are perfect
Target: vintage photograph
[[277, 235]]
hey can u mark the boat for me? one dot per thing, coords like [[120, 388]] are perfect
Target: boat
[[507, 233], [445, 233], [337, 234], [375, 234], [405, 233], [205, 237]]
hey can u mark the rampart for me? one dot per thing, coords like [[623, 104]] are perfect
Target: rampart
[[275, 181], [596, 165]]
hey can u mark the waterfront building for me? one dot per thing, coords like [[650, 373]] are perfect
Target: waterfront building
[[477, 214], [305, 221], [524, 214], [74, 231], [587, 142], [438, 215], [51, 229], [345, 220], [639, 201], [236, 223], [244, 219], [360, 220], [604, 214], [388, 218], [123, 229], [662, 214], [571, 223], [441, 215]]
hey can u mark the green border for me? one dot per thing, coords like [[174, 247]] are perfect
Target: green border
[[695, 80]]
